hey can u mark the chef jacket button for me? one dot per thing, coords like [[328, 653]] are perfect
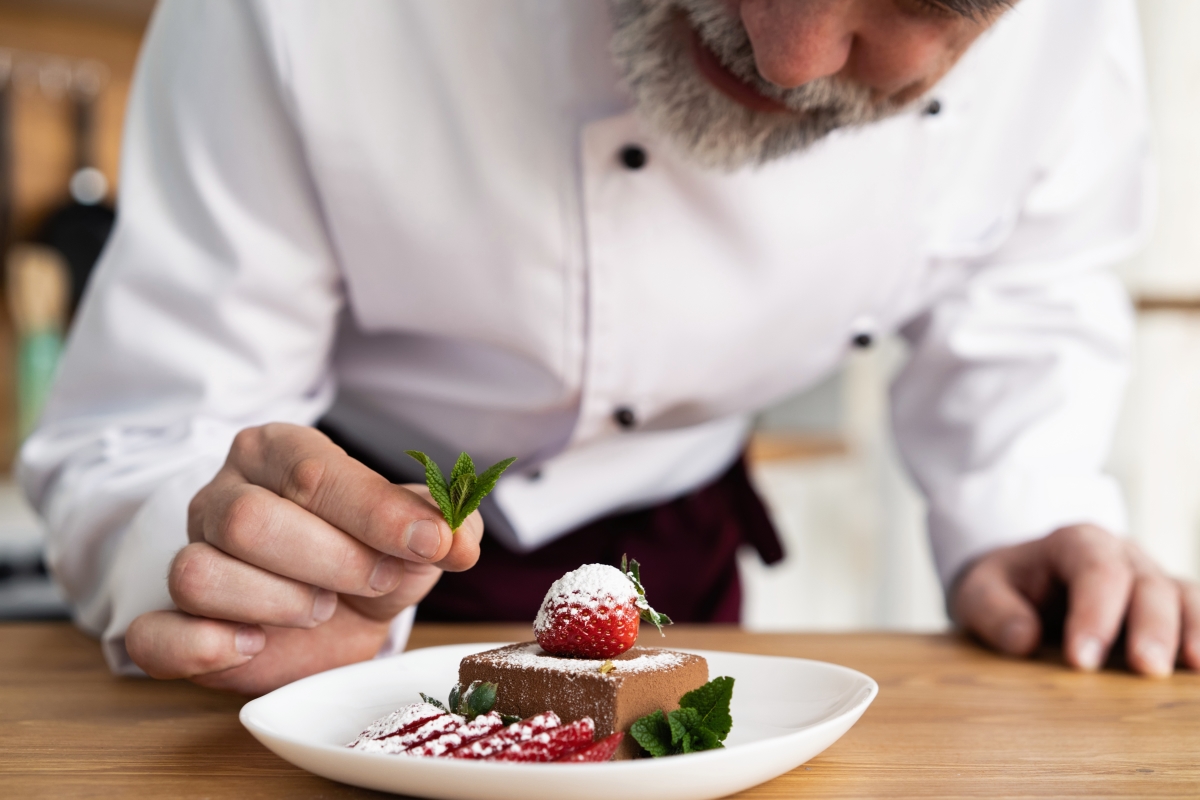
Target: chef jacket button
[[625, 417], [863, 340], [933, 108], [633, 156]]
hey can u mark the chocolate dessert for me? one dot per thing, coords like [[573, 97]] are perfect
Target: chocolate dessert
[[613, 693]]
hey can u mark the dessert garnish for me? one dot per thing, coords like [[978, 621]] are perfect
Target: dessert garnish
[[428, 730], [701, 722], [595, 611], [465, 490], [477, 700]]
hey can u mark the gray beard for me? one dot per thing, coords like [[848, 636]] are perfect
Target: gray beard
[[710, 128]]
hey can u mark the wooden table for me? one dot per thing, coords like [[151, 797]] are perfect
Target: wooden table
[[951, 720]]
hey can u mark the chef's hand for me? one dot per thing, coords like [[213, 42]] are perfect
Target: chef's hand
[[1108, 581], [300, 557]]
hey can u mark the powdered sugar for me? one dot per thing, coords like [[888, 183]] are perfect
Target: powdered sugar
[[477, 728], [398, 720], [516, 733], [589, 586], [445, 723], [531, 656]]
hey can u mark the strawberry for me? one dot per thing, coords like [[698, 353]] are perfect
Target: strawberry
[[600, 751], [490, 746], [594, 612], [551, 745]]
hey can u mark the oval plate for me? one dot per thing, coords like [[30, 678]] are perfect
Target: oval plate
[[785, 711]]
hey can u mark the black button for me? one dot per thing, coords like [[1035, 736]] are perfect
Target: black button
[[633, 156], [625, 417], [536, 475], [933, 108], [863, 340]]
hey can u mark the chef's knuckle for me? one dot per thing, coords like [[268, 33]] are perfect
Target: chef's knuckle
[[1082, 537], [1160, 585], [198, 509], [243, 523], [211, 647], [190, 576], [247, 445], [304, 480]]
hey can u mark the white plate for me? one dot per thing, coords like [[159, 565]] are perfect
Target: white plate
[[785, 711]]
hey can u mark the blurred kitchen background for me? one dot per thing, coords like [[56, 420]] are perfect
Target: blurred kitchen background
[[853, 526]]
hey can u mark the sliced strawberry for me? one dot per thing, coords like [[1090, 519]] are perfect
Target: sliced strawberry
[[401, 721], [521, 731], [551, 745], [600, 751], [399, 742], [472, 731]]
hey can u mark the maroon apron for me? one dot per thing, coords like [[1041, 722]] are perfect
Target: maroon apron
[[687, 549]]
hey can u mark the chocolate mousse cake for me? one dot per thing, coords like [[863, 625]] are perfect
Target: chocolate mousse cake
[[614, 693]]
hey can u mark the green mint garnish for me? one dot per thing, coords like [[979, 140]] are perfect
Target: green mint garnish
[[653, 733], [633, 571], [478, 699], [465, 491], [435, 703], [701, 722]]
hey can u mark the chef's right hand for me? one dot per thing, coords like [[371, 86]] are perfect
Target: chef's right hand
[[300, 557]]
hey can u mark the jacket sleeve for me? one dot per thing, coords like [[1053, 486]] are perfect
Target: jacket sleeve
[[213, 308], [1006, 409]]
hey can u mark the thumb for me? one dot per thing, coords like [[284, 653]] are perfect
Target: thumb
[[990, 606]]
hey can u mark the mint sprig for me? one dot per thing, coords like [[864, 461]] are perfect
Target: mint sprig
[[701, 722], [465, 490], [633, 571]]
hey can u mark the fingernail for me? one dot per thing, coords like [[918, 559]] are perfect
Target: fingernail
[[1015, 636], [249, 640], [324, 605], [1154, 659], [387, 574], [424, 538], [1088, 652]]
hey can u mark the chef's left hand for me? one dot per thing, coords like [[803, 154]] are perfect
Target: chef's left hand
[[1108, 581]]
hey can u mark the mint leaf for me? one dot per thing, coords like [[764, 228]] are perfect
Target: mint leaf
[[462, 481], [688, 734], [465, 491], [463, 466], [480, 698], [711, 704], [701, 722], [653, 733], [436, 482], [633, 571], [432, 702], [484, 484], [455, 699]]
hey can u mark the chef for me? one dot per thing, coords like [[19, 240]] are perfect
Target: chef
[[597, 236]]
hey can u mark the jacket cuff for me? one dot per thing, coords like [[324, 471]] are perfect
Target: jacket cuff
[[987, 513]]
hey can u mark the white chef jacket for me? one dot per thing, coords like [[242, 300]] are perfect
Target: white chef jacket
[[417, 209]]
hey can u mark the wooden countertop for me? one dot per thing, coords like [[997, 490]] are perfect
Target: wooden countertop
[[950, 720]]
